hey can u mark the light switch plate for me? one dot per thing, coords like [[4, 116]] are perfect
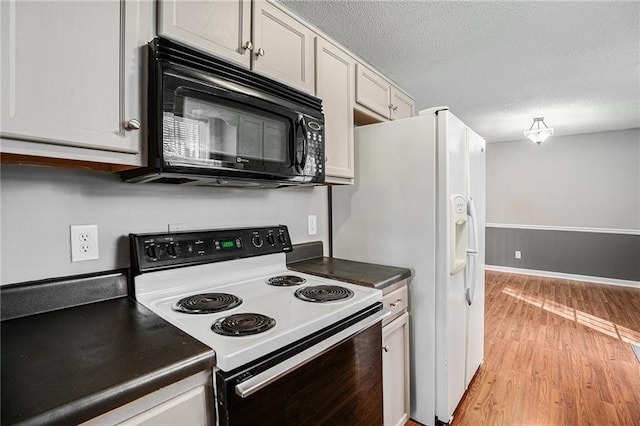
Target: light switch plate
[[312, 224]]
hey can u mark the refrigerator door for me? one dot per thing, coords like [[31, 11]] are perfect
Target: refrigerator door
[[476, 158], [451, 304], [388, 217]]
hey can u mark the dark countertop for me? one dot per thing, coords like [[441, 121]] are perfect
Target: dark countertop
[[361, 273], [70, 365]]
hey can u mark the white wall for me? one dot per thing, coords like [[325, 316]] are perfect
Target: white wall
[[590, 180], [40, 203]]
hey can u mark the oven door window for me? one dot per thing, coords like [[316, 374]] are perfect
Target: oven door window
[[206, 130]]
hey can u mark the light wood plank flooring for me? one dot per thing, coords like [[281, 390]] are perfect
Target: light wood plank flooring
[[556, 353]]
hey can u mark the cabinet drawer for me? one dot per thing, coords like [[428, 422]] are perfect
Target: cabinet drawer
[[396, 302]]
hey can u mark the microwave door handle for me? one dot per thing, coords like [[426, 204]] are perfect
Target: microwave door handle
[[305, 142], [303, 128], [293, 161], [294, 144]]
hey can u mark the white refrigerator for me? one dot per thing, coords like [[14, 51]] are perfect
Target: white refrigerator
[[418, 201]]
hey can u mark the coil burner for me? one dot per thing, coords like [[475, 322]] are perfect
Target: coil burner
[[286, 281], [323, 293], [244, 324], [207, 303]]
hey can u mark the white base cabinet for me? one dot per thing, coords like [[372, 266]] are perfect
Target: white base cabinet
[[187, 402], [395, 371], [186, 409]]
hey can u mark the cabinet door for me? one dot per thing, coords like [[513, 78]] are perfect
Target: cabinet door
[[395, 371], [71, 73], [372, 91], [334, 85], [190, 408], [283, 47], [402, 105], [219, 27]]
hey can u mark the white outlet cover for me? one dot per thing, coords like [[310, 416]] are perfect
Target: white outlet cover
[[518, 254], [84, 242]]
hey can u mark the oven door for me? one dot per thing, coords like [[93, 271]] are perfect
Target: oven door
[[206, 127], [333, 378]]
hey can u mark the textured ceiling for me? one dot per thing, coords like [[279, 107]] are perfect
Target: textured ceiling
[[499, 64]]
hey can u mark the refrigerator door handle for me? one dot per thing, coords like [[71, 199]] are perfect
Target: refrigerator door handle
[[471, 212], [472, 253]]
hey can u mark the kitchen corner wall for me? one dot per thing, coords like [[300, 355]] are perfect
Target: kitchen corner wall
[[40, 203], [570, 206]]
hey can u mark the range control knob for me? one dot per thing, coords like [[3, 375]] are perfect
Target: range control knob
[[271, 239], [152, 252], [257, 241], [282, 238], [172, 249]]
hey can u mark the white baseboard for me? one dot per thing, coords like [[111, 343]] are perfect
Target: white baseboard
[[586, 278]]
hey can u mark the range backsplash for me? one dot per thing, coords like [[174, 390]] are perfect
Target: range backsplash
[[40, 203]]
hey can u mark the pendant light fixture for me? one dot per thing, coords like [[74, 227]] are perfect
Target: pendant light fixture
[[538, 135]]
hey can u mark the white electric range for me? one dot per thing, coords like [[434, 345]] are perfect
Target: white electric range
[[231, 290]]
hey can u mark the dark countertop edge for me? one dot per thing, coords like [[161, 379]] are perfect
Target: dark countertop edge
[[100, 403], [399, 274], [35, 297]]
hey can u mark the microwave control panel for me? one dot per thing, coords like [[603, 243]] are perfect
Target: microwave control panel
[[315, 157], [170, 250], [315, 151]]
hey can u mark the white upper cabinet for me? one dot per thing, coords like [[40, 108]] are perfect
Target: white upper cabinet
[[279, 46], [71, 77], [376, 94], [220, 27], [334, 85], [372, 90], [401, 104], [283, 47]]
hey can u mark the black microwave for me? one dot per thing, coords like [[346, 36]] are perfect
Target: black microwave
[[212, 122]]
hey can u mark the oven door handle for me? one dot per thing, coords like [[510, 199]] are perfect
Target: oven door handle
[[259, 381]]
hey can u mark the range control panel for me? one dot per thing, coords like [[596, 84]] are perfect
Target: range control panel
[[168, 250]]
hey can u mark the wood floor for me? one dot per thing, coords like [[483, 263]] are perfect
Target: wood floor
[[556, 353]]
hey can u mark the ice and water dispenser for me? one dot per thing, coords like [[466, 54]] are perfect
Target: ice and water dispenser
[[459, 239]]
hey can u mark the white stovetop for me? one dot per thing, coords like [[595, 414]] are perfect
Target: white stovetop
[[246, 278]]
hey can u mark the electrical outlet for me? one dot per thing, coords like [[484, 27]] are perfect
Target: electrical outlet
[[312, 228], [175, 227], [518, 254], [84, 242]]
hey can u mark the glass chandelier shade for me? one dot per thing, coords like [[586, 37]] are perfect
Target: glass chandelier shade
[[538, 135]]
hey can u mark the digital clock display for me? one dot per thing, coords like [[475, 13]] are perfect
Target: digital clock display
[[227, 244]]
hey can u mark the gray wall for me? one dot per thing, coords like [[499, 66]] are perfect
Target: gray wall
[[593, 254], [40, 203], [589, 181]]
